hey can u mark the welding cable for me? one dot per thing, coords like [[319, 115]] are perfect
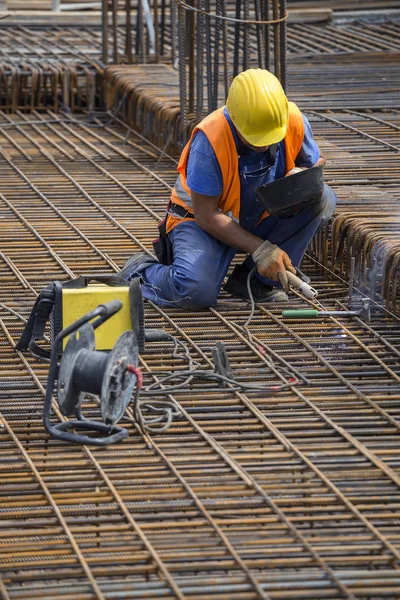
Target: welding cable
[[237, 386], [194, 371], [250, 318], [253, 305], [290, 375], [156, 416], [153, 417]]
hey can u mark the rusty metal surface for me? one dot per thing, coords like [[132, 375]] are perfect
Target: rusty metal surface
[[363, 151], [83, 42], [48, 67], [247, 496], [56, 68], [289, 496]]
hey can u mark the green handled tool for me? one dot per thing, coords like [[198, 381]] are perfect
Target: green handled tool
[[313, 313]]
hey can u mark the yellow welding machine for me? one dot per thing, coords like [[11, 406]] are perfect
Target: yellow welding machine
[[64, 303], [78, 302]]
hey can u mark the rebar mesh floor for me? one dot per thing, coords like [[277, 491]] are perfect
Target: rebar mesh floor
[[246, 496]]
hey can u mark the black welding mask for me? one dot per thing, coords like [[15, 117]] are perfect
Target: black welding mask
[[289, 195]]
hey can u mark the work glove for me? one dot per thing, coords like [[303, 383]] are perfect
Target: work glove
[[272, 262]]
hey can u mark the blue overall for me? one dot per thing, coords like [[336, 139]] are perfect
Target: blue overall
[[201, 262]]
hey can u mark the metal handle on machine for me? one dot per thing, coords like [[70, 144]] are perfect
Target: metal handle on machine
[[109, 309]]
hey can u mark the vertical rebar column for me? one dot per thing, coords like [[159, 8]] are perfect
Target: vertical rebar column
[[283, 43], [162, 38], [199, 60], [351, 278], [190, 45], [237, 40], [174, 27], [182, 63], [104, 28], [265, 16], [259, 35], [208, 58], [277, 48], [128, 39], [374, 279], [156, 32], [216, 55], [114, 6], [246, 37], [140, 51], [225, 47]]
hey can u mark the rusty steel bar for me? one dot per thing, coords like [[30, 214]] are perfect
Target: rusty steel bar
[[65, 55], [297, 492]]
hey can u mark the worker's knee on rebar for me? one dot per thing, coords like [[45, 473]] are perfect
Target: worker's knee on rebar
[[196, 293], [196, 300]]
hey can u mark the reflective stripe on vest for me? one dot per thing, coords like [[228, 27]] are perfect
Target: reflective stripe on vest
[[219, 134], [182, 194]]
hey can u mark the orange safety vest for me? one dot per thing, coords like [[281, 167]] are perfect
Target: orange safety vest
[[219, 134]]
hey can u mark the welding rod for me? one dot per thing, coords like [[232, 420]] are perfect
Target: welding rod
[[313, 313]]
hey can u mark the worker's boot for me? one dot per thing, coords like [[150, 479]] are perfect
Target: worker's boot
[[135, 265], [237, 286]]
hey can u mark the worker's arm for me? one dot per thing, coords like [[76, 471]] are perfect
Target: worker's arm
[[321, 161], [220, 226], [271, 261]]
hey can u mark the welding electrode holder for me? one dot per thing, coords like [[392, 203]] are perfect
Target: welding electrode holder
[[302, 284], [83, 369]]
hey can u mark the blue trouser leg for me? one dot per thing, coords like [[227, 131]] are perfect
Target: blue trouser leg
[[201, 262], [293, 234], [194, 279]]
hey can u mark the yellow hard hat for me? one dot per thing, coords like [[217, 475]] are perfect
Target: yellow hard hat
[[258, 107]]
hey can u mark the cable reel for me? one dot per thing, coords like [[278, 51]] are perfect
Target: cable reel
[[112, 376]]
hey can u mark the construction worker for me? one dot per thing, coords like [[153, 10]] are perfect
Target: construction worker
[[213, 213]]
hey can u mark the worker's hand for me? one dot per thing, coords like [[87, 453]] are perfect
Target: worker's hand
[[272, 262], [294, 171]]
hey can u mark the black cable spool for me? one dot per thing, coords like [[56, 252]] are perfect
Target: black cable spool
[[85, 370]]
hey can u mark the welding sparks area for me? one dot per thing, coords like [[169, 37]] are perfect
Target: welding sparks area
[[228, 448]]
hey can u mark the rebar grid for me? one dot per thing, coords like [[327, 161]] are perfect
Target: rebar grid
[[62, 43], [59, 67], [246, 496]]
